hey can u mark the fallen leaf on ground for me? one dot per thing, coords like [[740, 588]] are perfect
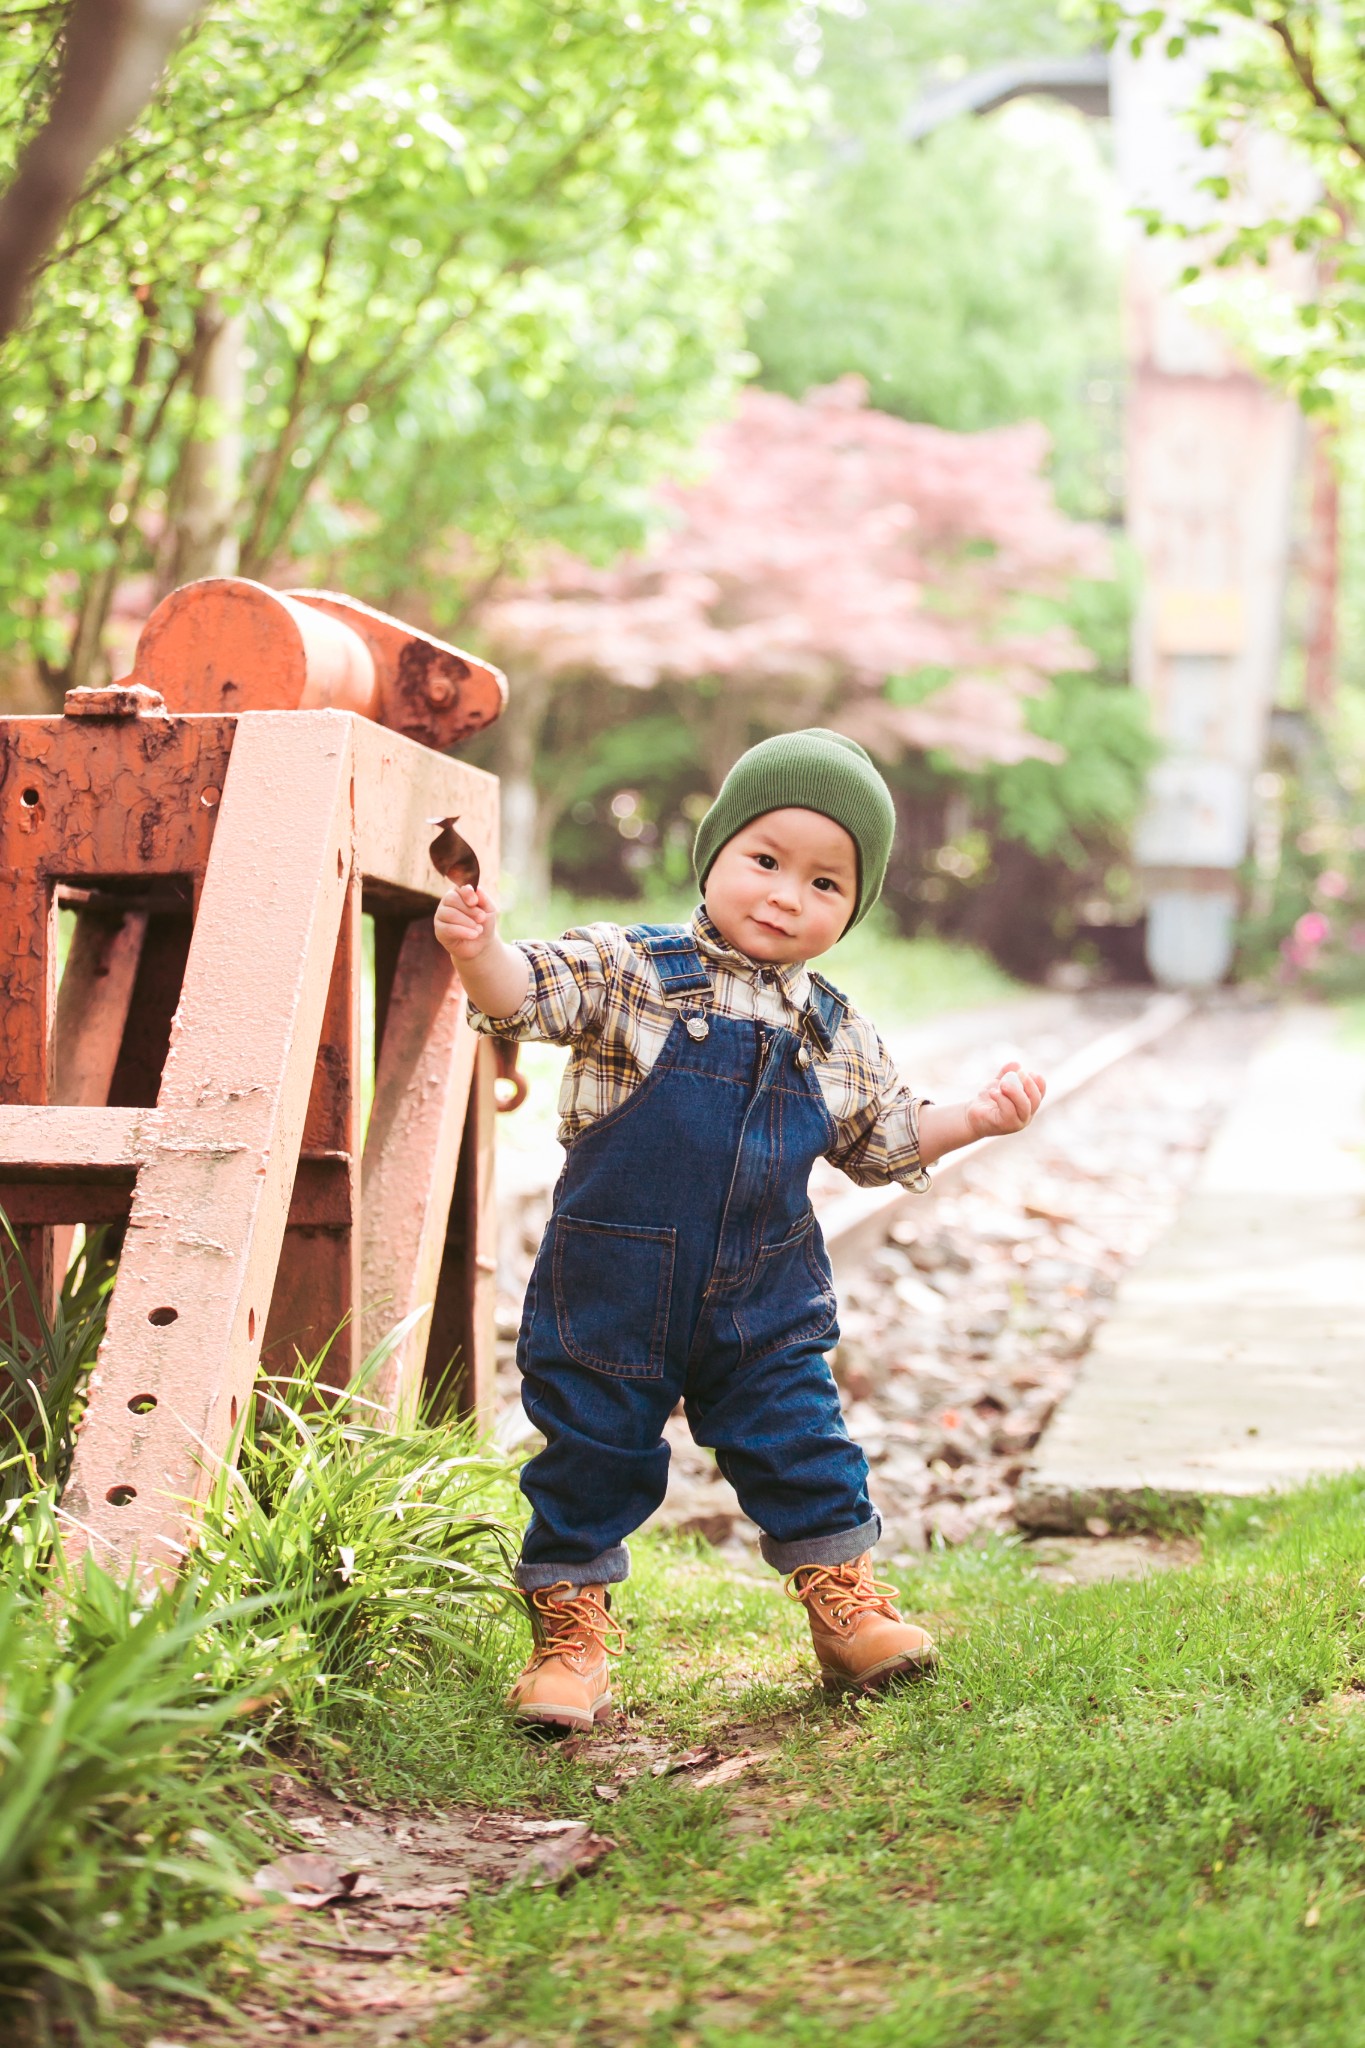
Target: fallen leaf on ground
[[307, 1879], [538, 1827], [690, 1760], [729, 1767], [427, 1898], [607, 1792], [356, 1948], [571, 1855]]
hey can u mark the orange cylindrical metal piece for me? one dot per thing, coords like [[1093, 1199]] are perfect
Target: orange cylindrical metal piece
[[226, 644], [229, 645]]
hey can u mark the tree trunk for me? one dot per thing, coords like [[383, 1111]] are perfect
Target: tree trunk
[[115, 52], [207, 491]]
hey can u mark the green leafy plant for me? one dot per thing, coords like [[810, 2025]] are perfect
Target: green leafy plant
[[380, 1548], [43, 1365], [334, 1568], [128, 1816]]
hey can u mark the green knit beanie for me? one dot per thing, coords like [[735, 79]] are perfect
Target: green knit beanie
[[814, 770]]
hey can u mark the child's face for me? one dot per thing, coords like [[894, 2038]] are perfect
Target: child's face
[[784, 888]]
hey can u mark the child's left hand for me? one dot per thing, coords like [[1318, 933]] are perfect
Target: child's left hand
[[1008, 1103]]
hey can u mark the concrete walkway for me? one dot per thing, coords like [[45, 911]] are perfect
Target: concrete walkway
[[1234, 1360]]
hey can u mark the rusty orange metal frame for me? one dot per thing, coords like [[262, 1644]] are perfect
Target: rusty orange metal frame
[[196, 1082]]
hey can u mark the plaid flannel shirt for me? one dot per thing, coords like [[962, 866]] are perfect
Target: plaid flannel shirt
[[597, 993]]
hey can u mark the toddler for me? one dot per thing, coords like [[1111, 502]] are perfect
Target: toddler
[[710, 1069]]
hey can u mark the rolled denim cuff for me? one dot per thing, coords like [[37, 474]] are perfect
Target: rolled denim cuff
[[849, 1543], [607, 1570]]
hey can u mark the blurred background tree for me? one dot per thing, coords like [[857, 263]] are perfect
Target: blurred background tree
[[439, 303], [1289, 285], [974, 277], [831, 565], [361, 274]]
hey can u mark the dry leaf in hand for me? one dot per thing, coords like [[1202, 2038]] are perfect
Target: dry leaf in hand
[[453, 856], [306, 1879]]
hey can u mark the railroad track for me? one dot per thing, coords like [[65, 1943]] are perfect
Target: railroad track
[[857, 1223]]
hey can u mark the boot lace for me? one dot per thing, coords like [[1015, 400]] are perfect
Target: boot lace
[[568, 1626], [844, 1591]]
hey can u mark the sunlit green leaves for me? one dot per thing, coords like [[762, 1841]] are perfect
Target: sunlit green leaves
[[431, 215], [1291, 69]]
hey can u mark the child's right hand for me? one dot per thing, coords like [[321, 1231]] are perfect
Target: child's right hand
[[467, 922]]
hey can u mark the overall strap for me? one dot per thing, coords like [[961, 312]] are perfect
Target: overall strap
[[826, 1010], [676, 960]]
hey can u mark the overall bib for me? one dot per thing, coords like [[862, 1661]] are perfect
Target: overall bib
[[683, 1261]]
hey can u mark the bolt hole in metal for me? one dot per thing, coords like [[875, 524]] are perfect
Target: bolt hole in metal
[[210, 798], [119, 1496], [142, 1404], [162, 1316], [30, 798]]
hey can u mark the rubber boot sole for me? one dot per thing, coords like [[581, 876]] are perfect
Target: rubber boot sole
[[880, 1676], [561, 1720]]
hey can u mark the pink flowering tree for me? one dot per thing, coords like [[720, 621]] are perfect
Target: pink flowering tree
[[827, 564]]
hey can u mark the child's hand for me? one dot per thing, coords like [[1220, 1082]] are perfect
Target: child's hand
[[466, 922], [1007, 1104]]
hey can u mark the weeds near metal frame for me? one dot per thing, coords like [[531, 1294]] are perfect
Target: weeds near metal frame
[[339, 1561], [381, 1546], [42, 1376]]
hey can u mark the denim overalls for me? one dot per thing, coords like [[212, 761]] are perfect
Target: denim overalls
[[683, 1260]]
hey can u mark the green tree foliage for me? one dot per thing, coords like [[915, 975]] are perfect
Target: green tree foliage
[[1292, 68], [1079, 806], [470, 265], [972, 277]]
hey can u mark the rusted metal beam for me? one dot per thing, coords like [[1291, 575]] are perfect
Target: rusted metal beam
[[188, 1313], [92, 1002], [57, 1141], [400, 788], [207, 1037], [422, 1081], [462, 1350], [317, 1288]]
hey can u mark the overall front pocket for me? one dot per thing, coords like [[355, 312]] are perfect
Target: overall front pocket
[[790, 1298], [612, 1285]]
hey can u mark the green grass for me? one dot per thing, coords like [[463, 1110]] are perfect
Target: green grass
[[336, 1569], [128, 1785], [1122, 1814]]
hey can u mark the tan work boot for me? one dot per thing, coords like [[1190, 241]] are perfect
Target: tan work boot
[[567, 1683], [859, 1638]]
